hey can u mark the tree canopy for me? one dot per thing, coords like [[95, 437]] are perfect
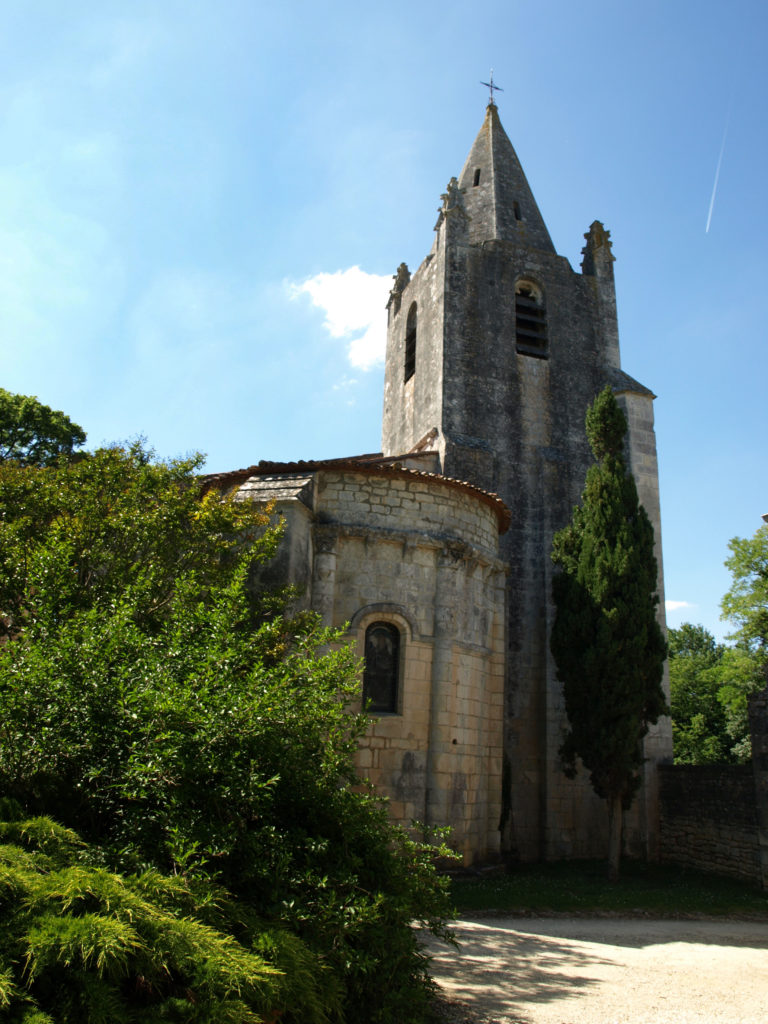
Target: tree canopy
[[746, 602], [699, 721], [745, 669], [606, 639], [33, 434], [711, 683], [154, 700]]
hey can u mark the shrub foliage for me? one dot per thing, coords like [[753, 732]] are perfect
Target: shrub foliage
[[81, 943], [179, 720]]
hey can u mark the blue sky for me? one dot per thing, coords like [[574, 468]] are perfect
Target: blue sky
[[186, 190]]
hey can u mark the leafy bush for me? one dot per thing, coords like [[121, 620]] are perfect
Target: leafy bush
[[154, 701], [80, 943]]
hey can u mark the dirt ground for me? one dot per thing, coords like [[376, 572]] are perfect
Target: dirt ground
[[604, 971]]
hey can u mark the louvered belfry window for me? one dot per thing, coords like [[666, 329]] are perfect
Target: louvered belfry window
[[530, 321]]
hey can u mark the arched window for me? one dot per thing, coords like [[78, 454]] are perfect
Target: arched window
[[382, 668], [530, 320], [410, 344]]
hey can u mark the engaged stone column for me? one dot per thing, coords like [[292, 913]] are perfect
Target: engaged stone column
[[436, 795], [324, 573], [758, 726]]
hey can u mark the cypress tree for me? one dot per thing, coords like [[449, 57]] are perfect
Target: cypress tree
[[606, 640]]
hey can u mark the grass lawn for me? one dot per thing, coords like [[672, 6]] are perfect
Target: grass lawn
[[581, 887]]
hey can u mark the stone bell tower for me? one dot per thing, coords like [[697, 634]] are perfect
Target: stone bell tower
[[496, 347]]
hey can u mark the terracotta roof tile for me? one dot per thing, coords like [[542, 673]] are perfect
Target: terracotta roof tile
[[374, 464]]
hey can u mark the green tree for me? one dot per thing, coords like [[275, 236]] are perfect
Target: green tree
[[699, 719], [155, 701], [33, 434], [741, 674], [745, 667], [746, 602], [710, 686], [606, 640]]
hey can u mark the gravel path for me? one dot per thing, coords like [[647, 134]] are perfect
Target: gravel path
[[604, 971]]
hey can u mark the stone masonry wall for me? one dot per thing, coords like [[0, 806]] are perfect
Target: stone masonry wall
[[421, 554], [643, 461], [419, 504], [413, 407], [708, 819], [758, 727]]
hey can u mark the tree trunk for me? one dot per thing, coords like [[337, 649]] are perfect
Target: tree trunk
[[614, 837]]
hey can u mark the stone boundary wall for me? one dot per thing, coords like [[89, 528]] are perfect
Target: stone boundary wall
[[758, 727], [708, 819]]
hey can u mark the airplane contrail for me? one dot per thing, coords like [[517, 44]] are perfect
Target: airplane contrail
[[720, 158], [717, 176]]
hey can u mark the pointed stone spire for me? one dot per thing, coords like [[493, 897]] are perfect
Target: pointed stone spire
[[497, 195]]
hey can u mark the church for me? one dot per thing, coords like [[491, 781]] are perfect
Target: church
[[434, 554]]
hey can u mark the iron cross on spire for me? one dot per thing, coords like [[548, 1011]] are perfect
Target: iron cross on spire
[[493, 88]]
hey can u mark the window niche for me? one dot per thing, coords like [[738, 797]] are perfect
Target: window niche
[[381, 675], [409, 366], [530, 320]]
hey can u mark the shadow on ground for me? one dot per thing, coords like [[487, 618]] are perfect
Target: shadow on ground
[[499, 966], [595, 968]]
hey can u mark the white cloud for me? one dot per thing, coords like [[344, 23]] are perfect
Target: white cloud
[[354, 303], [674, 606]]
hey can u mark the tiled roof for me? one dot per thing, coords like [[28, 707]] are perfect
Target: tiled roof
[[621, 381], [374, 464]]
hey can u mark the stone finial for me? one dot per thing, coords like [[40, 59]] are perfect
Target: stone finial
[[598, 257], [401, 279], [453, 202], [453, 196]]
